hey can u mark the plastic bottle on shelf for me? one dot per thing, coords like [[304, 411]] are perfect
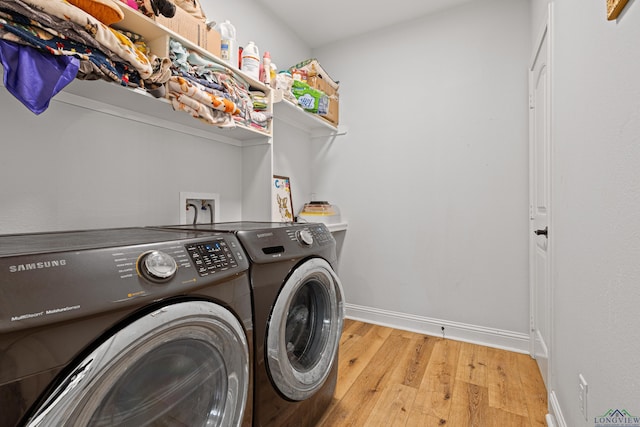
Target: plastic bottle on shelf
[[265, 75], [272, 74], [228, 44], [251, 60]]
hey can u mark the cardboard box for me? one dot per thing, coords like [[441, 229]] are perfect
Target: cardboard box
[[332, 114], [318, 83], [333, 111], [193, 30], [213, 39]]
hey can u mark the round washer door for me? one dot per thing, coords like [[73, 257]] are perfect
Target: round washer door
[[186, 364], [304, 329]]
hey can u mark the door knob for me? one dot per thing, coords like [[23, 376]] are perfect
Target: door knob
[[542, 232]]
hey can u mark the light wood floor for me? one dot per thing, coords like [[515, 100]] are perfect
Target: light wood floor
[[388, 377]]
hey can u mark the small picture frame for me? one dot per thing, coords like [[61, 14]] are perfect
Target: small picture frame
[[614, 7], [282, 205]]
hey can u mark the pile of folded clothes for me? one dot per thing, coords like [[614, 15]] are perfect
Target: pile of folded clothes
[[45, 44], [211, 92]]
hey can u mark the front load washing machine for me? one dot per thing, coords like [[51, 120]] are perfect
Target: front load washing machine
[[298, 317], [125, 327]]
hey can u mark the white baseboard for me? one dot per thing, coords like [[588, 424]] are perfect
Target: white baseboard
[[556, 412], [497, 338]]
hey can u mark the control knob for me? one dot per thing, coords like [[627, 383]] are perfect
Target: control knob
[[305, 237], [157, 266]]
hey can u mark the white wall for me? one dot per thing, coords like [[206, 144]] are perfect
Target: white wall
[[538, 18], [292, 157], [596, 207], [71, 168], [432, 175], [290, 154], [256, 23]]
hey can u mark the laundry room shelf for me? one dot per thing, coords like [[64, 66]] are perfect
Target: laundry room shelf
[[139, 106], [157, 38], [287, 112]]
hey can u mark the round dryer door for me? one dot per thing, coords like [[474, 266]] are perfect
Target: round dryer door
[[304, 329], [186, 364]]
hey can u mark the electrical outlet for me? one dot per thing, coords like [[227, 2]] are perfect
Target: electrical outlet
[[583, 389], [199, 208]]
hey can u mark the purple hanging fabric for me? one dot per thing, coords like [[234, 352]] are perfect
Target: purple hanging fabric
[[34, 77]]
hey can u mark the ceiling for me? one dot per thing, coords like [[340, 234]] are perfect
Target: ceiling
[[326, 21]]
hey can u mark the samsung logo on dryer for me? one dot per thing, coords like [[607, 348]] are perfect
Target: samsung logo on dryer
[[37, 265]]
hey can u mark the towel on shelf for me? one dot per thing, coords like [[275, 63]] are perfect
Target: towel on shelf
[[180, 85], [213, 78], [94, 63], [34, 77], [182, 102], [109, 38], [106, 11]]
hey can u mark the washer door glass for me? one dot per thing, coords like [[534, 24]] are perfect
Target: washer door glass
[[179, 383], [186, 364], [304, 330]]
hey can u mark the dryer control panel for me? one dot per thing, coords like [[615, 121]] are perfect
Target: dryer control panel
[[288, 242], [321, 234]]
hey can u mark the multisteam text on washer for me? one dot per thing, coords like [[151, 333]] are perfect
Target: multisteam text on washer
[[46, 312]]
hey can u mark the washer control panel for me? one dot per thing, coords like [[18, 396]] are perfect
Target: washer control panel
[[211, 257], [68, 275], [157, 266]]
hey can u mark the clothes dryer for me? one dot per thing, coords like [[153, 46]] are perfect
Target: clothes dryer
[[298, 317], [125, 327]]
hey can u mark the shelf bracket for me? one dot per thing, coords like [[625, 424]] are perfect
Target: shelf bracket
[[322, 133]]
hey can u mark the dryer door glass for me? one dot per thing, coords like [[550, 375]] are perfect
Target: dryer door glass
[[186, 364], [304, 330]]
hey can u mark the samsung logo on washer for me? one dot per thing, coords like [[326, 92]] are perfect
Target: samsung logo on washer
[[37, 265]]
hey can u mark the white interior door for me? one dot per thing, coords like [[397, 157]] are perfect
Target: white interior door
[[540, 204]]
